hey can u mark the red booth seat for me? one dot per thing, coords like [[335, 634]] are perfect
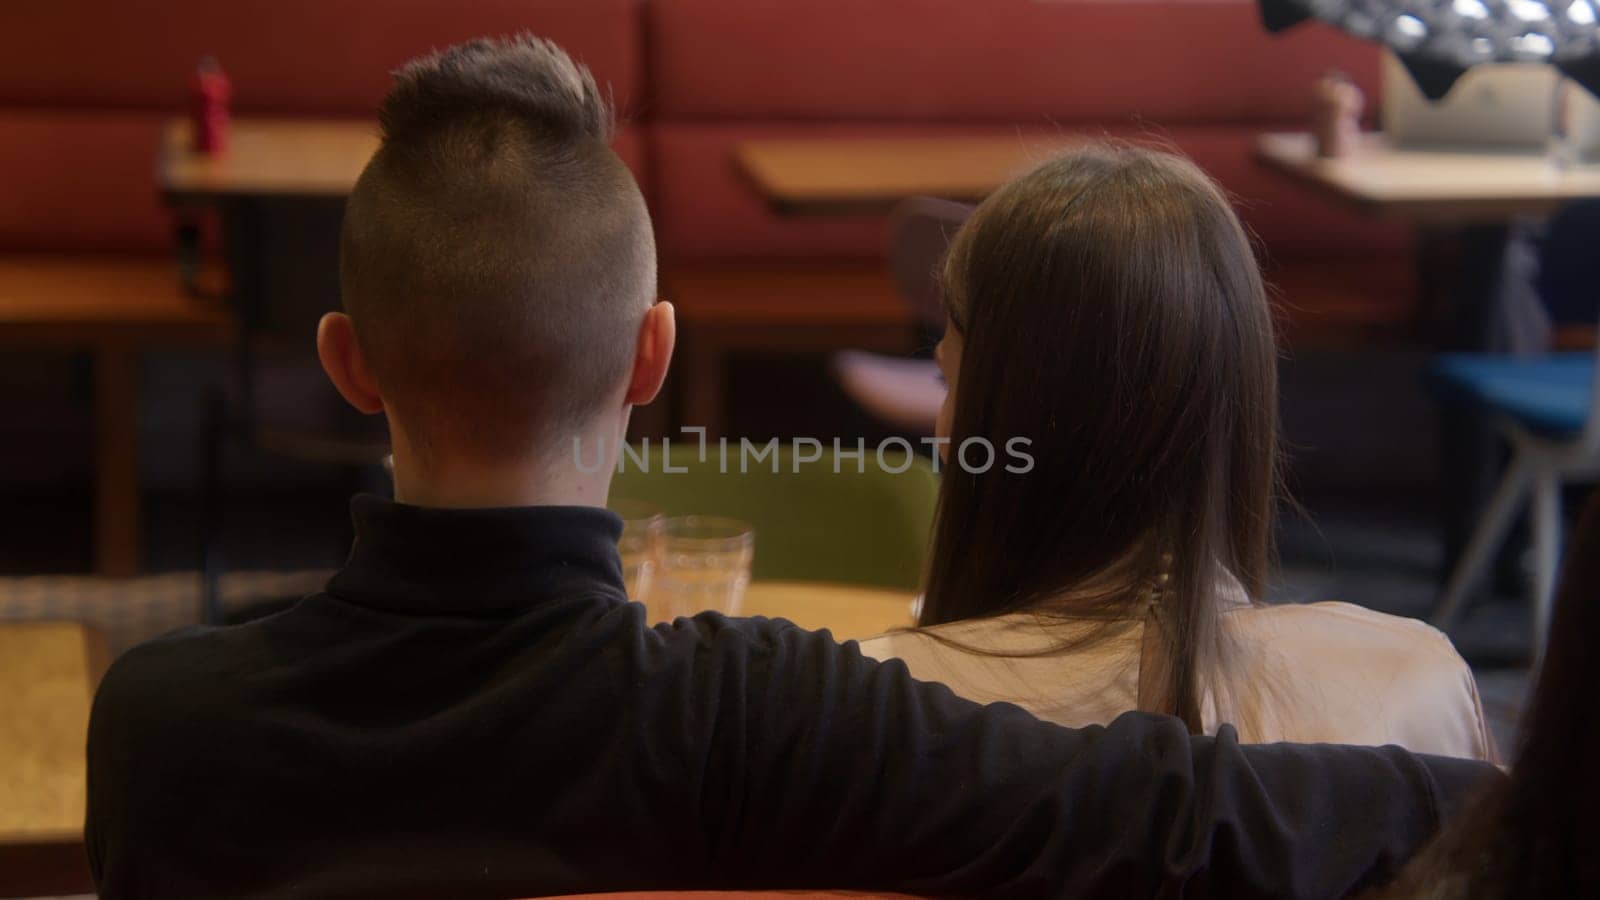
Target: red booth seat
[[80, 180], [330, 57], [997, 61], [1202, 77]]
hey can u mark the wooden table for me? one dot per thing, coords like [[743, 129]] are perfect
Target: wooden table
[[837, 176], [278, 191], [729, 309], [1473, 196], [268, 158], [1430, 186], [48, 675], [810, 308], [851, 612], [114, 308], [270, 164]]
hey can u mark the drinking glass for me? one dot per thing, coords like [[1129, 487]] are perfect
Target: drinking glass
[[704, 565], [640, 544]]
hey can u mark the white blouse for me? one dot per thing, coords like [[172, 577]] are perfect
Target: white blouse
[[1311, 673]]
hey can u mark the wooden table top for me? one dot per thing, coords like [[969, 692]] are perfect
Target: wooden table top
[[851, 612], [268, 157], [833, 176], [48, 675], [78, 301], [1432, 185]]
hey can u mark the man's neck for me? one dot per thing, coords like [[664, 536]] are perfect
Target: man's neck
[[548, 478]]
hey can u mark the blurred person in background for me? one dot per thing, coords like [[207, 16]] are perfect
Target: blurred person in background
[[1536, 835], [1108, 308]]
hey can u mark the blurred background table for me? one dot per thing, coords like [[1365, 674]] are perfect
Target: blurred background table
[[840, 176], [48, 675], [1448, 187], [728, 310], [735, 310], [268, 157], [278, 191], [851, 612], [1472, 199], [1467, 206], [115, 308]]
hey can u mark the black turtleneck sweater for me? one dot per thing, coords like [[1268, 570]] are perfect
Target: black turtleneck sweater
[[473, 709]]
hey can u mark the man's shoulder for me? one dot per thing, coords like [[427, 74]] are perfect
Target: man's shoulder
[[182, 667], [154, 673], [155, 657]]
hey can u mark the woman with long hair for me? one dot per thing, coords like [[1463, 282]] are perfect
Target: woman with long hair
[[1108, 321], [1536, 835]]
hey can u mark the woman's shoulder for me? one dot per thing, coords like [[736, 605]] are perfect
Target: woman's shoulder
[[1402, 677], [1333, 638], [1357, 628]]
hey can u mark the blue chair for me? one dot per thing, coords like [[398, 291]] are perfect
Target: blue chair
[[1548, 410]]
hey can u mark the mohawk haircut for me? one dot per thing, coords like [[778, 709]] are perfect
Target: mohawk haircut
[[496, 255], [524, 75]]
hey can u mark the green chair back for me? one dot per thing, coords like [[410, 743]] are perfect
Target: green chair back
[[839, 520]]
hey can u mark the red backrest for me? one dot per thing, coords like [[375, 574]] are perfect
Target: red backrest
[[288, 56], [1202, 75], [1000, 61], [85, 85]]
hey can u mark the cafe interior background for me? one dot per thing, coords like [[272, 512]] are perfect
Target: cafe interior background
[[172, 175]]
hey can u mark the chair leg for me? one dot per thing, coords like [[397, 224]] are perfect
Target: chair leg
[[213, 435], [1546, 554], [1486, 537]]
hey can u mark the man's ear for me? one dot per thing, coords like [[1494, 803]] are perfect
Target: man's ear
[[346, 367], [658, 333]]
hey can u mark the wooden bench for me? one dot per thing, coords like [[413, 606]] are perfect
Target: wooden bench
[[112, 307], [726, 310]]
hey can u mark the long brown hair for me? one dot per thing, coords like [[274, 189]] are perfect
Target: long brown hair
[[1536, 834], [1112, 313]]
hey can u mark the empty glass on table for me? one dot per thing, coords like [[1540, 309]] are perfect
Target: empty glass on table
[[704, 565], [640, 544]]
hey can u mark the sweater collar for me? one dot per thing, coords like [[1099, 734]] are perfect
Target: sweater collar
[[420, 559]]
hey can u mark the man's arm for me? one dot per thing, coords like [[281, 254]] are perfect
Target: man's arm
[[849, 773]]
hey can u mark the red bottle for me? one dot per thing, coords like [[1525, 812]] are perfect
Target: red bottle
[[210, 92]]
